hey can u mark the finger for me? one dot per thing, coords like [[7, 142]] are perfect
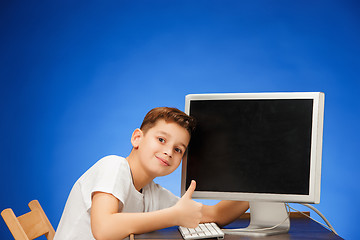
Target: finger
[[190, 190]]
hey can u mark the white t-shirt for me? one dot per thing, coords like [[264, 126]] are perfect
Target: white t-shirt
[[112, 175]]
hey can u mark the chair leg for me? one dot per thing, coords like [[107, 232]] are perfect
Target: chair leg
[[34, 204], [13, 224]]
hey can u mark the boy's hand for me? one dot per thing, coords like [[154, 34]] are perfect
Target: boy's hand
[[188, 211]]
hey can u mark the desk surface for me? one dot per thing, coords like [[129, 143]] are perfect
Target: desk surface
[[302, 228]]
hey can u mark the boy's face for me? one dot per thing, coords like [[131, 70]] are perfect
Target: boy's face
[[162, 147]]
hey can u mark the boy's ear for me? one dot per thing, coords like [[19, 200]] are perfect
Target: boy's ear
[[136, 137]]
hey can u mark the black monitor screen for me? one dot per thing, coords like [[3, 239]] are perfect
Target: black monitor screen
[[251, 146]]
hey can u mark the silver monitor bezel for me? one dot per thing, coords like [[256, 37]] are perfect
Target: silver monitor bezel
[[316, 148]]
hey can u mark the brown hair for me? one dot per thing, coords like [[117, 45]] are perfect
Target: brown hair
[[169, 115]]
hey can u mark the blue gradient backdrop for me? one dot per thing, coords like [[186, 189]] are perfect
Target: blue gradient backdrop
[[77, 77]]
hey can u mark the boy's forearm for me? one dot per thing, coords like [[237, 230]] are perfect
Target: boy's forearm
[[146, 222], [224, 212], [107, 223], [120, 225]]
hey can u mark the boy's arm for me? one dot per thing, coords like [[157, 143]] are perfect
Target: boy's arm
[[108, 223], [224, 212]]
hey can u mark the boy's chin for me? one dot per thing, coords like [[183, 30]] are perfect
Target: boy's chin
[[164, 173]]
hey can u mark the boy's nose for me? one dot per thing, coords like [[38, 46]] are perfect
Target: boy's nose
[[168, 152]]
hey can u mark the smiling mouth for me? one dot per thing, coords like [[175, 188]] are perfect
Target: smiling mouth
[[163, 161]]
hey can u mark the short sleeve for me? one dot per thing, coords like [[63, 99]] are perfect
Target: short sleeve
[[111, 175]]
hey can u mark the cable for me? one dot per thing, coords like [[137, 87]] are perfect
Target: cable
[[309, 217], [319, 213]]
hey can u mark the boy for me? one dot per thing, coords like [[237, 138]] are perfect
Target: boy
[[117, 196]]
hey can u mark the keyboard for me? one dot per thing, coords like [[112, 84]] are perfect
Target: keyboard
[[204, 230]]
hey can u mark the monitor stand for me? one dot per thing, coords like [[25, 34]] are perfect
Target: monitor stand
[[266, 218]]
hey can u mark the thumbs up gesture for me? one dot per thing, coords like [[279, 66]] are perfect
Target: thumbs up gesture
[[188, 211]]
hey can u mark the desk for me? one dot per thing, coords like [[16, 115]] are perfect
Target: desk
[[300, 228]]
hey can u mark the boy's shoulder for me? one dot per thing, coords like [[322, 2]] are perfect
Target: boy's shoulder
[[107, 169], [107, 165], [111, 161], [112, 158]]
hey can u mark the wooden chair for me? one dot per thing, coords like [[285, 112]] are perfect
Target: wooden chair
[[31, 225]]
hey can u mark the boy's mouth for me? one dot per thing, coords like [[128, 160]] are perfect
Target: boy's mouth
[[163, 161]]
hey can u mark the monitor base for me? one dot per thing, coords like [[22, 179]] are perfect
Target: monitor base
[[266, 218]]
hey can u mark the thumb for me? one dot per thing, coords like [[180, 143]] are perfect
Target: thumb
[[190, 190]]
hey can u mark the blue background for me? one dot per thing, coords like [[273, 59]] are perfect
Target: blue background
[[77, 77]]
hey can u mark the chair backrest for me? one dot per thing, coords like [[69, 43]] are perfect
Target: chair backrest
[[31, 225]]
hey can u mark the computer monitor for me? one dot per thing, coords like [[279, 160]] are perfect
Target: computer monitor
[[264, 148]]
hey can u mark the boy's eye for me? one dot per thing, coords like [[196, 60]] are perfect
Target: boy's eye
[[178, 150], [161, 140]]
